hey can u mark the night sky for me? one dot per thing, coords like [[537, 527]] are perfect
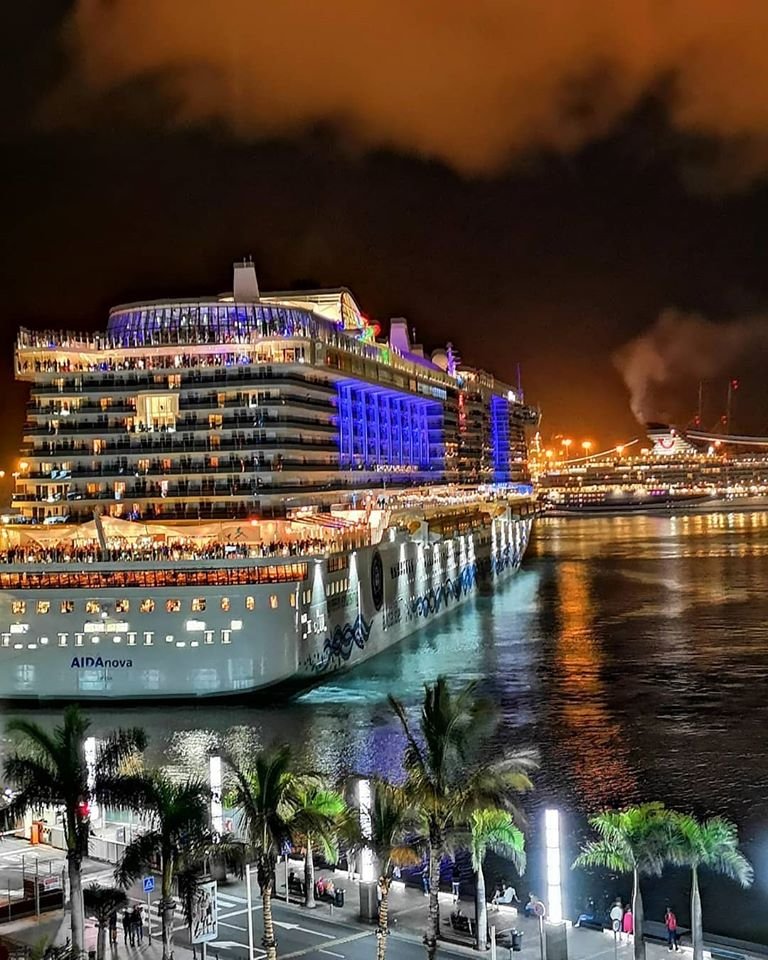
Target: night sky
[[537, 183]]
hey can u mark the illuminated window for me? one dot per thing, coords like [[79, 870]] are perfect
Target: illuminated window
[[92, 606], [198, 604], [293, 599], [250, 603], [173, 606], [122, 606], [67, 606], [225, 604], [273, 601], [147, 606], [43, 606], [19, 607]]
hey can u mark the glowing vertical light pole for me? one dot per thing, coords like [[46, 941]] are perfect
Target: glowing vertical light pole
[[217, 808], [367, 866], [89, 750], [554, 859]]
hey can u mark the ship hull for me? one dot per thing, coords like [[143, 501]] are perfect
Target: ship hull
[[212, 641]]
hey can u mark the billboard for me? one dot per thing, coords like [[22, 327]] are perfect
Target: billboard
[[205, 913]]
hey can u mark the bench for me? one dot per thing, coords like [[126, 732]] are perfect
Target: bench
[[722, 953], [296, 886]]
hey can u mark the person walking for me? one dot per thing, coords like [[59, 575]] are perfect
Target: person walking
[[455, 882], [127, 928], [628, 923], [617, 916], [138, 924], [113, 929], [670, 922]]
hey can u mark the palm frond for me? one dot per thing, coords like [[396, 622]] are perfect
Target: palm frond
[[140, 855], [603, 853]]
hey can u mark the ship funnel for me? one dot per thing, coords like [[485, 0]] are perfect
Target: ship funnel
[[245, 285]]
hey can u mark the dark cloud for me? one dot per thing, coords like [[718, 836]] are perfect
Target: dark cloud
[[472, 84]]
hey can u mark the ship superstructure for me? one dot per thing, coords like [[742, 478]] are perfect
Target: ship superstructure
[[225, 494]]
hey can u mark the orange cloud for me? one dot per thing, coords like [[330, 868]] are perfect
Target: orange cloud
[[470, 83]]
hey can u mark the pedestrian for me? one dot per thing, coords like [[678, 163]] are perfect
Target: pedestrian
[[455, 882], [617, 915], [628, 923], [670, 922], [425, 879], [127, 928], [138, 923], [113, 929]]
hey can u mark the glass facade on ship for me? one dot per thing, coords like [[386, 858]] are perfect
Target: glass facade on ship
[[233, 408]]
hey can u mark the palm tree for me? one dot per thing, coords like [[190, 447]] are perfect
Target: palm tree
[[318, 812], [178, 815], [101, 903], [392, 823], [492, 830], [637, 841], [50, 770], [714, 844], [444, 782], [269, 796]]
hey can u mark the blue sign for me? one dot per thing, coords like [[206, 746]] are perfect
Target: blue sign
[[149, 884]]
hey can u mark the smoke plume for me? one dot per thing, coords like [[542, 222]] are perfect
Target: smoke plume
[[472, 84], [680, 348]]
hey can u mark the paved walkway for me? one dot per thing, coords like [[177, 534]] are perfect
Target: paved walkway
[[327, 931]]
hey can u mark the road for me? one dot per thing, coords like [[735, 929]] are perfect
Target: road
[[314, 934]]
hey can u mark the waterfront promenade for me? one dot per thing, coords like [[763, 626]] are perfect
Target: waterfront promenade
[[324, 932]]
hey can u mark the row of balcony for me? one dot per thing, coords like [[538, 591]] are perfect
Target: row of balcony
[[98, 382]]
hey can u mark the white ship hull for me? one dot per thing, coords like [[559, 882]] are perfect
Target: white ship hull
[[224, 640]]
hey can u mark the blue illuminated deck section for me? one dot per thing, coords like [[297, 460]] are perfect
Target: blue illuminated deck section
[[384, 429], [500, 438]]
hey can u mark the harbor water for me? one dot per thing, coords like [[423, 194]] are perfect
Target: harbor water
[[630, 652]]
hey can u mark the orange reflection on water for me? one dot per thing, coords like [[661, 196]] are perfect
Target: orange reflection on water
[[598, 753]]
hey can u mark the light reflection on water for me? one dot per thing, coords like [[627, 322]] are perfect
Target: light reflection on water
[[631, 652]]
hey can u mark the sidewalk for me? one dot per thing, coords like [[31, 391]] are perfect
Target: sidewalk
[[408, 914]]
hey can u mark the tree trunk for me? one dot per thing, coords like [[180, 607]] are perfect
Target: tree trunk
[[697, 925], [309, 876], [481, 911], [433, 923], [638, 919], [167, 911], [101, 940], [383, 930], [268, 942], [77, 912], [167, 906]]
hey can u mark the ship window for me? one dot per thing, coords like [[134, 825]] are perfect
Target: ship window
[[225, 604], [67, 606], [122, 606], [226, 636], [293, 599], [250, 603], [147, 606], [273, 601], [198, 604], [92, 606], [173, 606], [19, 607], [43, 606]]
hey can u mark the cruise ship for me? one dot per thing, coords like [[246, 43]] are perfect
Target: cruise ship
[[247, 491], [682, 470]]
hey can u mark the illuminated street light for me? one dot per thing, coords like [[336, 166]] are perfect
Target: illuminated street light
[[586, 446], [620, 449], [217, 808], [554, 859], [566, 443]]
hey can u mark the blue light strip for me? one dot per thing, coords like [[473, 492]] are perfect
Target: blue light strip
[[379, 427], [500, 438]]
